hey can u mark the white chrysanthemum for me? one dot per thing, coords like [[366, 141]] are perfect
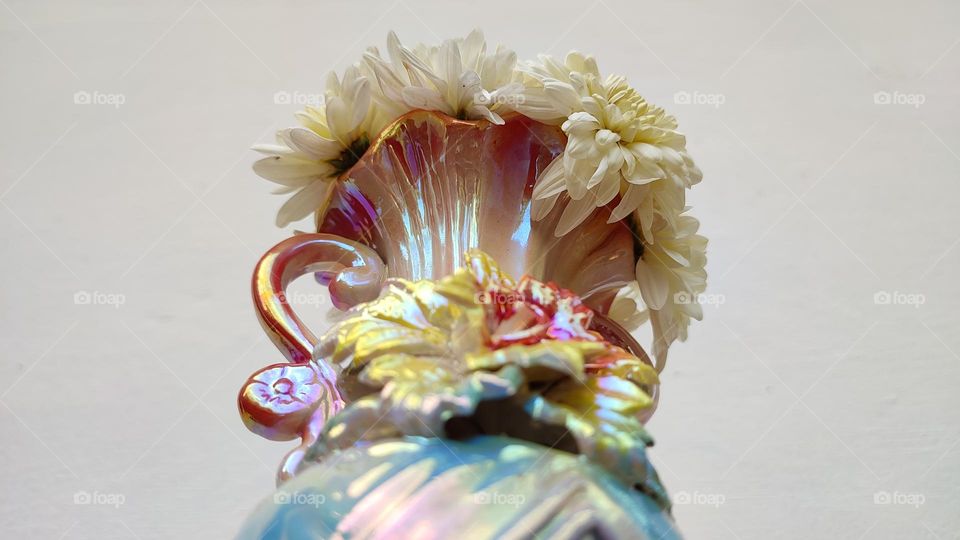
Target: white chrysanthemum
[[457, 77], [306, 160], [620, 145], [617, 143], [671, 274]]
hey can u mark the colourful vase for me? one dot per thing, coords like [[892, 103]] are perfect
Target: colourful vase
[[418, 244]]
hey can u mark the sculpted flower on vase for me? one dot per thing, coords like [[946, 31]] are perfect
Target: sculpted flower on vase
[[278, 400], [436, 359]]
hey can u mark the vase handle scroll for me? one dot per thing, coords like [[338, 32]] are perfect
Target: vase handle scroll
[[294, 399]]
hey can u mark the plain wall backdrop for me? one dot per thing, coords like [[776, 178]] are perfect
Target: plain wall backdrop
[[817, 399]]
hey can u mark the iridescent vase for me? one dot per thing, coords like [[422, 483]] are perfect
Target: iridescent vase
[[431, 188], [428, 191]]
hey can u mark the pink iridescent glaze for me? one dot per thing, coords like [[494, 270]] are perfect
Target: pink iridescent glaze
[[533, 311], [286, 401], [278, 400], [354, 273], [433, 187]]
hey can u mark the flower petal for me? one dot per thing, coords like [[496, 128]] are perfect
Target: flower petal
[[280, 169], [304, 202], [574, 214], [581, 123], [654, 284], [628, 203], [540, 208], [550, 182], [314, 145]]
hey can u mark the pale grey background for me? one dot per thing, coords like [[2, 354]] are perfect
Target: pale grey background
[[797, 403]]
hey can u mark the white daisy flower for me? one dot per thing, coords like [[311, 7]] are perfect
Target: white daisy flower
[[307, 160], [457, 77], [617, 143]]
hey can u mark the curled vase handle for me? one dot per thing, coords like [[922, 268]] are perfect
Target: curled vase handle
[[354, 271], [295, 399]]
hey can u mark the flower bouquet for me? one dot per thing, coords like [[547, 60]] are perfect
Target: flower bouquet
[[453, 398]]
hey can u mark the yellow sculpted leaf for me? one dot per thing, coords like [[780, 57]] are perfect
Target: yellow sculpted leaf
[[407, 369], [599, 393], [361, 340], [486, 270], [632, 369], [545, 361], [398, 304], [481, 273]]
